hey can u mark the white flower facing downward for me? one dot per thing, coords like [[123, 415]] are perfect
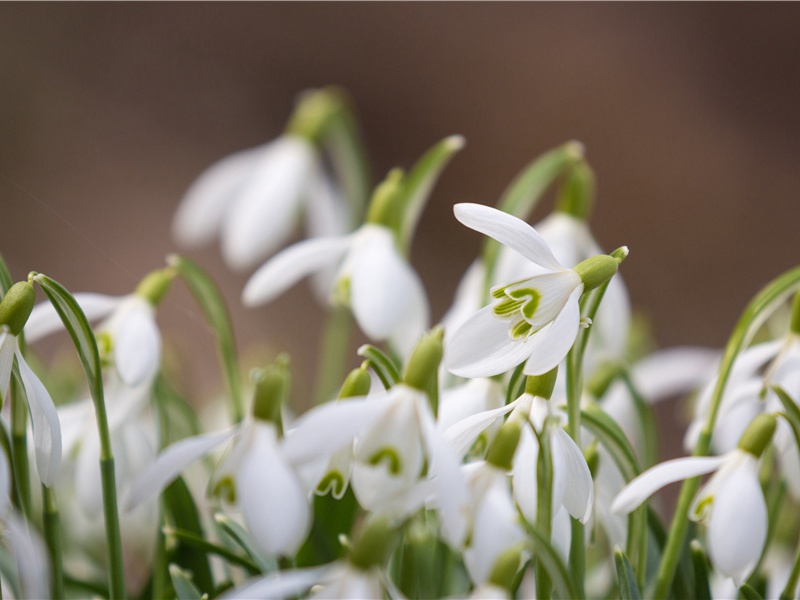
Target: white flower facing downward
[[731, 502], [534, 320], [384, 292]]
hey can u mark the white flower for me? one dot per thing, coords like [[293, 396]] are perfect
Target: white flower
[[534, 320], [44, 418], [129, 327], [731, 503], [384, 292], [253, 198]]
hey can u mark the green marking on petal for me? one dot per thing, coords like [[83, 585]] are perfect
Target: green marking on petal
[[226, 489], [521, 330], [388, 456], [341, 292], [332, 482], [507, 307], [530, 298], [703, 508], [499, 292]]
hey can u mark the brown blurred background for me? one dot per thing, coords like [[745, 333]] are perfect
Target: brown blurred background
[[689, 113]]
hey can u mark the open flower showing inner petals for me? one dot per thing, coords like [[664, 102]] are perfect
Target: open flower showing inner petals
[[533, 320]]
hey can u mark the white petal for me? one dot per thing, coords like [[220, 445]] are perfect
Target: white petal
[[137, 346], [467, 299], [508, 230], [642, 487], [290, 266], [737, 528], [524, 480], [200, 213], [386, 294], [171, 462], [579, 498], [549, 346], [268, 202], [274, 503], [44, 420], [88, 484], [8, 345], [5, 483], [284, 584], [467, 399], [326, 428], [31, 557], [554, 288], [482, 347], [463, 434], [44, 319]]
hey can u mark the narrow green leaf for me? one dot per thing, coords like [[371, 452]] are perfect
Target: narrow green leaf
[[383, 366], [750, 593], [551, 560], [10, 571], [606, 430], [419, 182], [184, 587], [628, 588], [332, 518], [5, 278], [792, 412], [211, 302], [516, 384], [203, 545], [242, 538], [702, 591], [646, 420]]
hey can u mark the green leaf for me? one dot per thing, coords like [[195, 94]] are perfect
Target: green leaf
[[551, 560], [792, 412], [419, 182], [10, 571], [516, 384], [384, 367], [606, 430], [182, 513], [5, 278], [628, 588], [702, 591], [177, 418], [184, 587], [201, 544], [244, 540], [208, 296], [332, 518], [750, 593]]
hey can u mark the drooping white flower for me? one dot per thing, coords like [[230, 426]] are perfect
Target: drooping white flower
[[534, 320], [731, 503], [253, 198], [385, 294]]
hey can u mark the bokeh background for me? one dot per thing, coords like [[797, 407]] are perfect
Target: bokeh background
[[689, 113]]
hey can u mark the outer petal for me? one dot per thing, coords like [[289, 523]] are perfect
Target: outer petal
[[652, 480], [284, 584], [290, 266], [274, 503], [549, 346], [171, 462], [262, 218], [44, 420], [579, 498], [674, 371], [44, 319], [462, 435], [31, 556], [200, 213], [737, 529], [137, 346], [386, 294], [508, 230], [482, 347], [470, 398]]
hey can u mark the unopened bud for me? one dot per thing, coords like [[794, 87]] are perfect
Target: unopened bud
[[357, 383], [16, 306], [423, 366]]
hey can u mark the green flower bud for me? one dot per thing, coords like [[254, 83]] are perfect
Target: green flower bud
[[314, 110], [576, 196], [357, 383], [272, 389], [505, 568], [504, 446], [384, 207], [423, 366], [758, 435], [374, 544], [595, 271], [795, 323], [155, 285], [16, 306], [542, 386]]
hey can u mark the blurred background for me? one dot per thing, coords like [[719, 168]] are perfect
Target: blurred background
[[689, 113]]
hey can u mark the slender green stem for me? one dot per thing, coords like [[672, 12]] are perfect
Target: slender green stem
[[201, 544], [160, 573], [794, 576], [544, 506], [753, 316], [333, 354], [52, 536], [19, 448], [116, 575]]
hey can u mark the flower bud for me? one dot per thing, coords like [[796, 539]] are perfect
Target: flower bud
[[155, 285], [272, 388], [357, 383], [597, 270], [758, 434], [423, 366], [16, 306], [384, 207], [541, 386], [374, 545], [506, 567]]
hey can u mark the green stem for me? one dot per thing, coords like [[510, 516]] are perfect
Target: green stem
[[544, 506], [19, 448], [116, 575], [753, 316], [794, 576], [333, 355], [52, 536], [160, 573], [203, 545]]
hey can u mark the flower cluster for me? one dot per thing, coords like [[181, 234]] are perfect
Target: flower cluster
[[504, 450]]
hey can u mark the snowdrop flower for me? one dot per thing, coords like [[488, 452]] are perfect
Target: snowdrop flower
[[128, 332], [253, 198], [731, 502], [384, 292], [15, 309], [534, 320]]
